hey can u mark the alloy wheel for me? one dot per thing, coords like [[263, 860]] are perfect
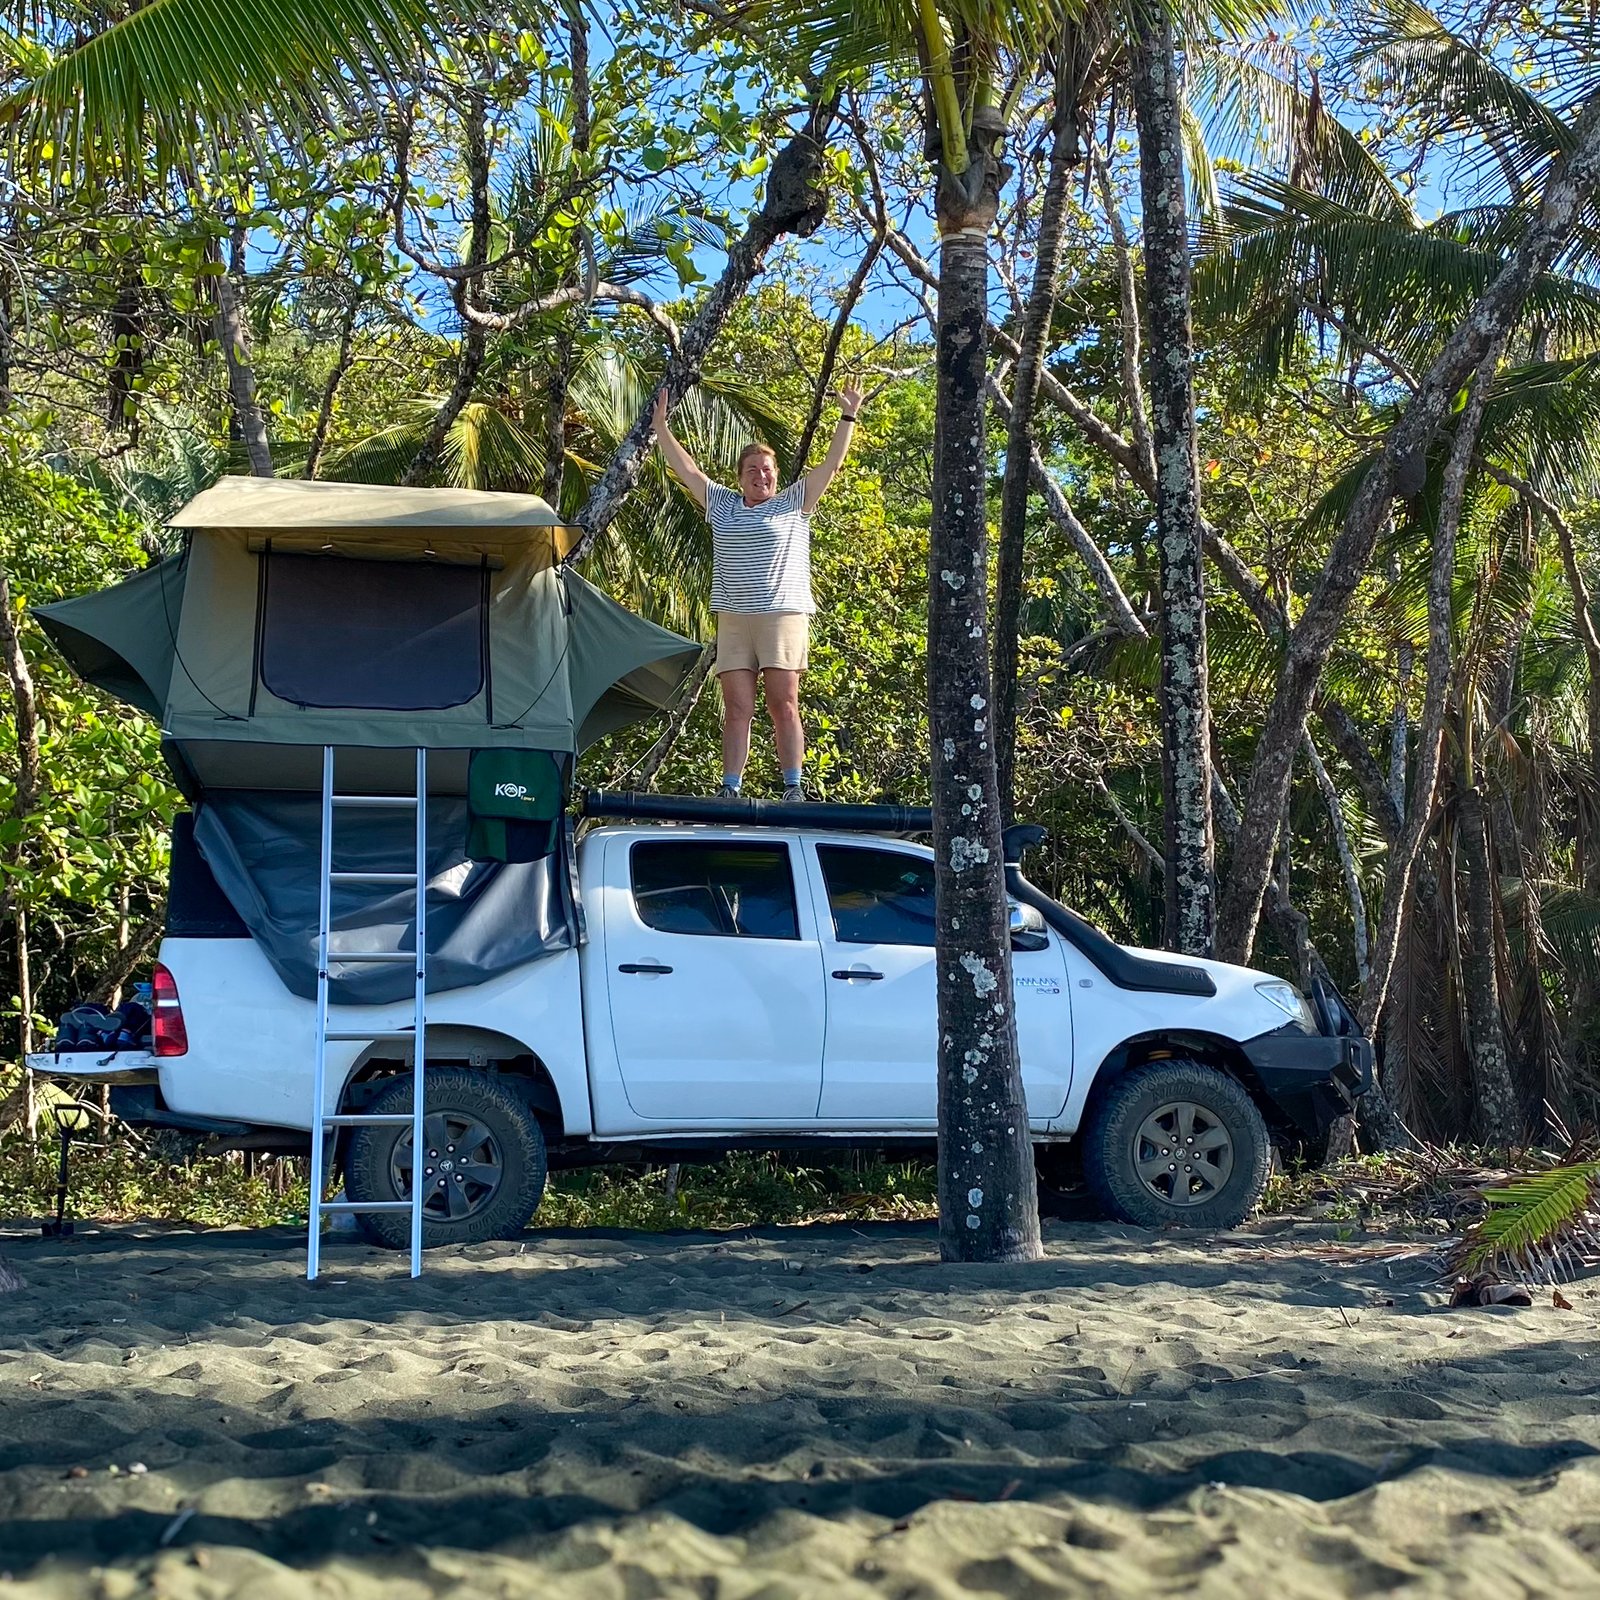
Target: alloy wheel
[[1183, 1153], [462, 1166]]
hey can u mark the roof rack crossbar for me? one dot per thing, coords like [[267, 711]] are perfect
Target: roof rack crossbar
[[631, 806]]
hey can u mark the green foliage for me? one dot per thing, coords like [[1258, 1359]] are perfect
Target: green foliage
[[743, 1190], [1545, 1225], [99, 832], [119, 1181]]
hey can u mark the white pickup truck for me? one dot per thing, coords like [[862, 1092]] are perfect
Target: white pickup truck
[[744, 985]]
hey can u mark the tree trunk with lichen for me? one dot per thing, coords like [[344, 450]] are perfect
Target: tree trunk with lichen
[[1190, 851], [988, 1199], [1019, 442]]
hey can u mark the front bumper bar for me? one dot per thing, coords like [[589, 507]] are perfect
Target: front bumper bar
[[1312, 1078]]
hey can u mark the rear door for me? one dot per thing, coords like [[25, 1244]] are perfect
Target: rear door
[[714, 978], [875, 913]]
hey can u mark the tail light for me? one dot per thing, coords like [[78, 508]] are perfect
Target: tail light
[[169, 1035]]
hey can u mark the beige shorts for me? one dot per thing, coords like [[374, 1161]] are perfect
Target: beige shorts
[[750, 640]]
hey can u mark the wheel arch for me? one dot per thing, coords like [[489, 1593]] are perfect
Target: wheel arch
[[478, 1049], [1164, 1044]]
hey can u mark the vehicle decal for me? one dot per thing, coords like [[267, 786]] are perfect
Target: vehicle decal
[[1038, 985]]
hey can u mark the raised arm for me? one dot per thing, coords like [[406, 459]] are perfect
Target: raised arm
[[821, 475], [681, 464]]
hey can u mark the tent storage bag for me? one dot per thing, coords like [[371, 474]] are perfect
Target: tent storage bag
[[514, 801]]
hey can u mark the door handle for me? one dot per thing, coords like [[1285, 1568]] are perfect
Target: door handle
[[644, 966], [856, 972]]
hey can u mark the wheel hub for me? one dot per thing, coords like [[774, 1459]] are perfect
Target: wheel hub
[[1183, 1153], [462, 1166]]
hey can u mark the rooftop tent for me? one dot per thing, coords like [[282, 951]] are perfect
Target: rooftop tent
[[307, 614], [376, 619]]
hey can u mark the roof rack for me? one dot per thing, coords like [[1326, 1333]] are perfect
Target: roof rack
[[630, 806]]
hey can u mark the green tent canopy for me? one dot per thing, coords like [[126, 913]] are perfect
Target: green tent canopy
[[375, 619]]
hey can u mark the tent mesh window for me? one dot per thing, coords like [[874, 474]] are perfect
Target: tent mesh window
[[372, 635]]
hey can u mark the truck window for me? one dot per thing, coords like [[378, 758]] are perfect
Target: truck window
[[735, 890], [878, 896]]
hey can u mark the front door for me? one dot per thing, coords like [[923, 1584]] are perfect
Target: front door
[[715, 982], [880, 1055]]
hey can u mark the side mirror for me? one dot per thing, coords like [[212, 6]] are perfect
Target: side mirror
[[1028, 931]]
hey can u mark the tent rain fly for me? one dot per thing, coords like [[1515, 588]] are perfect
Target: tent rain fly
[[376, 619]]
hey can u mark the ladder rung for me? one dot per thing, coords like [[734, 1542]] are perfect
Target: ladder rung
[[372, 877], [377, 801], [372, 955], [358, 1119], [368, 1035], [324, 1207]]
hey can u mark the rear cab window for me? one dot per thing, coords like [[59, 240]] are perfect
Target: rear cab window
[[727, 889]]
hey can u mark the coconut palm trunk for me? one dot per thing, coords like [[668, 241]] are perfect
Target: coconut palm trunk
[[1190, 879], [988, 1201], [1498, 1119]]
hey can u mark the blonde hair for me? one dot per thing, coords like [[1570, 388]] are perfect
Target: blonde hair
[[757, 449]]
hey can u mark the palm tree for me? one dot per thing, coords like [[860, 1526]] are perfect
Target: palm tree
[[1339, 248], [1517, 247], [957, 52]]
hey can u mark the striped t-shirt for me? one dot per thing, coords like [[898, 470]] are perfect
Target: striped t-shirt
[[761, 555]]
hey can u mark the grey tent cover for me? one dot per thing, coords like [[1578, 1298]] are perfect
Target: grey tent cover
[[484, 918]]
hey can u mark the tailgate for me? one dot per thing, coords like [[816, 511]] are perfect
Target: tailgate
[[96, 1066]]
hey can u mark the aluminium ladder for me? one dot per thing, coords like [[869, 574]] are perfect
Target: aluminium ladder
[[323, 1122]]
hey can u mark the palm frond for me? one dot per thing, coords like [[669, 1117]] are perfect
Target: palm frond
[[1421, 62], [487, 449], [1387, 281], [382, 456], [1572, 925], [1258, 115], [1545, 1225], [225, 68], [1543, 422]]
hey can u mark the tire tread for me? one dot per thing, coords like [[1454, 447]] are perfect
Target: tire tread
[[1118, 1189], [450, 1088]]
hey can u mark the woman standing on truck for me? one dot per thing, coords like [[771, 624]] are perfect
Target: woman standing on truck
[[761, 587]]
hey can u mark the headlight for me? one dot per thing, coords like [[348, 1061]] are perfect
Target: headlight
[[1290, 1002]]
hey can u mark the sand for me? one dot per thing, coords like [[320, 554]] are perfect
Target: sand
[[822, 1412]]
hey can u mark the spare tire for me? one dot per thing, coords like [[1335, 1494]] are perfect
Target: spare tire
[[1177, 1143], [484, 1163]]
